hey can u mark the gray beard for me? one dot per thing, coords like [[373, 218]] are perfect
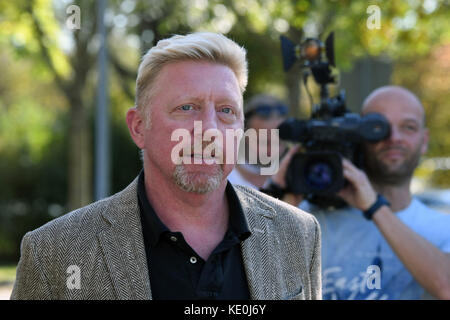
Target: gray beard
[[190, 182]]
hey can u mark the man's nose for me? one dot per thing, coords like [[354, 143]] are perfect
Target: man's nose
[[395, 134], [206, 121], [209, 119]]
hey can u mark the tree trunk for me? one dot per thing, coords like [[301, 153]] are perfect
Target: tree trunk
[[80, 162]]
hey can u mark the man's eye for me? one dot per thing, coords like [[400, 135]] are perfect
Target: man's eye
[[411, 128], [227, 110], [186, 107]]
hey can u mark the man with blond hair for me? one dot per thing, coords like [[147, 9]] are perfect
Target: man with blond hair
[[180, 230]]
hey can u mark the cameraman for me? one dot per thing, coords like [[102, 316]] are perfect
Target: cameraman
[[399, 248]]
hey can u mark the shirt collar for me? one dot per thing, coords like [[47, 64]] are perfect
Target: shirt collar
[[150, 219], [237, 221]]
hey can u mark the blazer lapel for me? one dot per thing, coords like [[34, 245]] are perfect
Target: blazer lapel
[[123, 246], [258, 251]]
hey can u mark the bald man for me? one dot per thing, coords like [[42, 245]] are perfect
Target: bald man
[[391, 163], [388, 245]]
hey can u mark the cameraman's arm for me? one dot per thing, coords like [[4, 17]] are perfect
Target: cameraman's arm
[[428, 265]]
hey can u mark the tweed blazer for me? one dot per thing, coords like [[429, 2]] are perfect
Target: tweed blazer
[[103, 245]]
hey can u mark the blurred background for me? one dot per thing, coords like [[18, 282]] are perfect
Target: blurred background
[[63, 69]]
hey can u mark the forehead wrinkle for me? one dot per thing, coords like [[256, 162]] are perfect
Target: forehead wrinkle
[[205, 98], [205, 95]]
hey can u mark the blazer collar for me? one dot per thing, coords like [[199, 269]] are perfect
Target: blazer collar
[[123, 246], [259, 251]]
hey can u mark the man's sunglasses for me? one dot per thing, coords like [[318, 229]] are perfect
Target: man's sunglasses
[[266, 111]]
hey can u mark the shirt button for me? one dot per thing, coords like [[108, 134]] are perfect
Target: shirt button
[[193, 260], [173, 238]]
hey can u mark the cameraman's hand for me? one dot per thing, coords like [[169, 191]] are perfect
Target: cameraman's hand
[[359, 193], [280, 177]]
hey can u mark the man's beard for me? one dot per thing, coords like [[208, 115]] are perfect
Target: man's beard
[[385, 174], [197, 182]]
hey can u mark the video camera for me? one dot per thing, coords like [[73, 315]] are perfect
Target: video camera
[[332, 132]]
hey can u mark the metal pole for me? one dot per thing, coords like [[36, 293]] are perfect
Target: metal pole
[[102, 150]]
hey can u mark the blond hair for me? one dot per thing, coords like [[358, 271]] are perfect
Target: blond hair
[[200, 46]]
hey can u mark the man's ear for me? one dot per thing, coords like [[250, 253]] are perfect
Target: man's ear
[[136, 126]]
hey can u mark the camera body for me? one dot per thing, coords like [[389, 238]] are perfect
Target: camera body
[[333, 132], [317, 172]]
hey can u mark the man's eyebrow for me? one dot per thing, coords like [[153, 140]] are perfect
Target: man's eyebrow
[[194, 99], [181, 98], [415, 121]]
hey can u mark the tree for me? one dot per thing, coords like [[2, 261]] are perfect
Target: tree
[[72, 80]]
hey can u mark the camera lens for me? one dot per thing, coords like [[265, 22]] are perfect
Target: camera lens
[[319, 175]]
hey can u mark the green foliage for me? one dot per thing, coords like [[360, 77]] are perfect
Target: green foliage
[[429, 80], [35, 101], [7, 273], [31, 192]]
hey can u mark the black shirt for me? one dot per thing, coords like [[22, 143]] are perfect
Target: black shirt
[[176, 271]]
